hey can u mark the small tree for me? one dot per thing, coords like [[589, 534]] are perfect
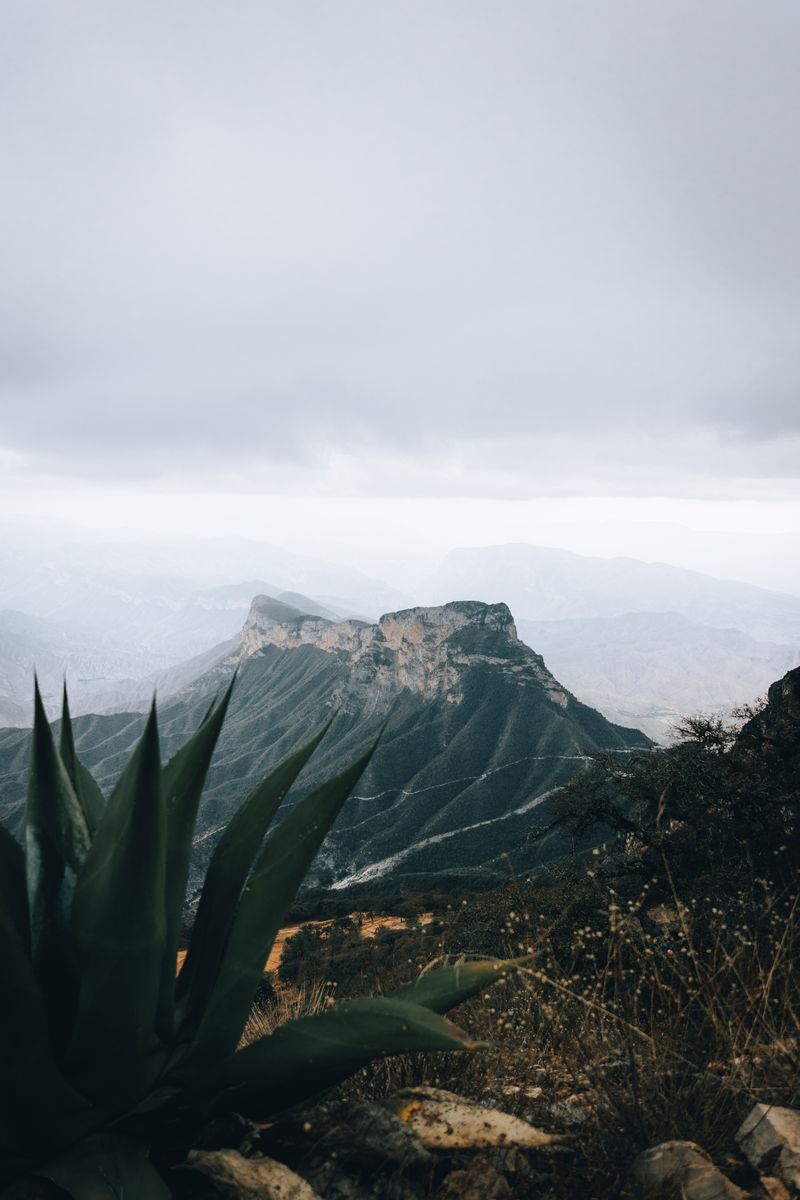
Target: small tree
[[722, 793]]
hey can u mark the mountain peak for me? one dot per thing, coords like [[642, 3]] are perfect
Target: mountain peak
[[425, 650], [271, 608]]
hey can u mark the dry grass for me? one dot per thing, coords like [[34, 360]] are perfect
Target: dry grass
[[650, 1022], [640, 1020], [287, 1004]]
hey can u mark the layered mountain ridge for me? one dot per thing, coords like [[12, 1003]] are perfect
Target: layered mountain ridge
[[479, 736]]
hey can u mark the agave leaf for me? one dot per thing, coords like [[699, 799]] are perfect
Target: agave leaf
[[184, 778], [56, 833], [89, 795], [227, 872], [13, 888], [306, 1057], [14, 1164], [118, 930], [35, 1098], [56, 843], [107, 1167], [279, 870], [210, 709], [446, 987]]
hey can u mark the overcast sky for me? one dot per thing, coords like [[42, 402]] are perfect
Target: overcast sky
[[518, 250]]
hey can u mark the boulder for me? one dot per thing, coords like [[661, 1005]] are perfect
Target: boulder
[[256, 1178], [681, 1171], [770, 1139], [444, 1121]]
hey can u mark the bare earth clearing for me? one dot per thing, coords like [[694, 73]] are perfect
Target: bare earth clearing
[[369, 927]]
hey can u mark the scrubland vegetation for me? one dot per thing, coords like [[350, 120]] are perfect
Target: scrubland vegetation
[[651, 1010], [662, 997]]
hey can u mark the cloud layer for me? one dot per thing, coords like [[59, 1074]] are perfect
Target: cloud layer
[[510, 249]]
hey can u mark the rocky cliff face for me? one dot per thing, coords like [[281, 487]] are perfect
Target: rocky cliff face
[[426, 651]]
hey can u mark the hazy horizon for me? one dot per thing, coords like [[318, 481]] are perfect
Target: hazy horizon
[[400, 544]]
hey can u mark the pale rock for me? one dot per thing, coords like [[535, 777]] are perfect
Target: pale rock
[[770, 1138], [528, 1092], [681, 1171], [444, 1121], [426, 650], [770, 1188], [256, 1178]]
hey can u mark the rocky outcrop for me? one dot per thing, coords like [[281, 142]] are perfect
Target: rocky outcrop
[[774, 733], [423, 650], [681, 1171], [764, 764], [770, 1138]]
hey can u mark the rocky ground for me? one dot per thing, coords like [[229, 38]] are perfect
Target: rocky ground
[[429, 1143]]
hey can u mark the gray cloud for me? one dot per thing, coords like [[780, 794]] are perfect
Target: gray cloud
[[516, 248]]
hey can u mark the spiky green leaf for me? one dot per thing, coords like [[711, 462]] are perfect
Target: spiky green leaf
[[306, 1057], [184, 778], [227, 873], [57, 841], [56, 834], [107, 1167], [444, 988], [31, 1080], [118, 930], [86, 789], [279, 870], [13, 887]]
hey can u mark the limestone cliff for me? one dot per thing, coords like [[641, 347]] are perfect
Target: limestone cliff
[[426, 651]]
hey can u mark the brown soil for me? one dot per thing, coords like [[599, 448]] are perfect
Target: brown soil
[[370, 927]]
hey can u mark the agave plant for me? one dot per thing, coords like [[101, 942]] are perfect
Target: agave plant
[[111, 1059]]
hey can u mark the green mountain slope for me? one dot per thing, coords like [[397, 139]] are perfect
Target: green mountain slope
[[479, 734]]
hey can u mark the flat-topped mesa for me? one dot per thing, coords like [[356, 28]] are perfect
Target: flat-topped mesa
[[426, 650]]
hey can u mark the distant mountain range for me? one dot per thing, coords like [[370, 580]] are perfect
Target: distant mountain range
[[59, 649], [651, 669], [480, 735], [541, 584], [646, 643]]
